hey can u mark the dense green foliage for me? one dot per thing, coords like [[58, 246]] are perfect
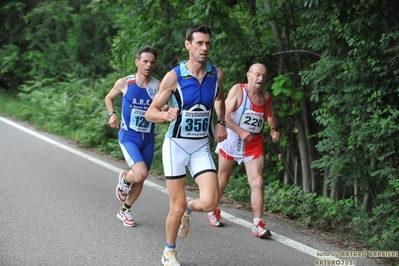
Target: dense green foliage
[[333, 70], [46, 39]]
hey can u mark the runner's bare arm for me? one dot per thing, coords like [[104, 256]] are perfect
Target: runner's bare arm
[[154, 113], [220, 108], [119, 88]]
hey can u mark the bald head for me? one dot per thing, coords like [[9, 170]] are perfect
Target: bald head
[[257, 67], [257, 74]]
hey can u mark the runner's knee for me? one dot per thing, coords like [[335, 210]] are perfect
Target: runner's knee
[[256, 182], [177, 207], [209, 204]]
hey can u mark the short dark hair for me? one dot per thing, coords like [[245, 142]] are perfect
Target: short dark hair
[[197, 28], [146, 49]]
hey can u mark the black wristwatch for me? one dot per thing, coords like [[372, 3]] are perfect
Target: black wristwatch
[[275, 129], [222, 122], [111, 113]]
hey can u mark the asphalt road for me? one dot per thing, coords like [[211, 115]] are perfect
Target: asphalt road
[[58, 207]]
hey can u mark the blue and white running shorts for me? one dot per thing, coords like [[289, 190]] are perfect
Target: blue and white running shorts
[[137, 147], [177, 154]]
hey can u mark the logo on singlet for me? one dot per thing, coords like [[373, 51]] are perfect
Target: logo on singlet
[[141, 102], [151, 91]]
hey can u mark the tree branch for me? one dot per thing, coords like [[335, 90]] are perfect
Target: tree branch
[[295, 51]]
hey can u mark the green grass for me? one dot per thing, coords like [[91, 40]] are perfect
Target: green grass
[[8, 104]]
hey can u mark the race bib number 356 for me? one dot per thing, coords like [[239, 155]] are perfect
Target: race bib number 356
[[195, 124]]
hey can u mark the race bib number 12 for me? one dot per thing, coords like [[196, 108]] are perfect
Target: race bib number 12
[[138, 121]]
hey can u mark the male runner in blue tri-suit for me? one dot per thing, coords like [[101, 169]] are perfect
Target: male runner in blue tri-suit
[[192, 90], [136, 134]]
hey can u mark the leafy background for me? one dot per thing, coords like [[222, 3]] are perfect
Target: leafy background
[[332, 68]]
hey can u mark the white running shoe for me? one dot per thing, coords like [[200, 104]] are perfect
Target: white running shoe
[[184, 225], [122, 189], [215, 218], [126, 218], [260, 230], [169, 258]]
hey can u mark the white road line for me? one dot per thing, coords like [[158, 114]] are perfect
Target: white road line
[[279, 238]]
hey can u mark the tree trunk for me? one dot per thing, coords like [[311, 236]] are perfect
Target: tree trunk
[[296, 172], [303, 153], [325, 183], [287, 173], [356, 192], [335, 185], [301, 120], [305, 105], [365, 202], [279, 40], [366, 197]]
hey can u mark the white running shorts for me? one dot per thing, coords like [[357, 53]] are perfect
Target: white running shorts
[[195, 154]]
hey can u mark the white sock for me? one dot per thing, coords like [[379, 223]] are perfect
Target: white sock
[[257, 220]]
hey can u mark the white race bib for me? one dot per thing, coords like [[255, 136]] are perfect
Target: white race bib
[[252, 121], [195, 124], [138, 121]]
